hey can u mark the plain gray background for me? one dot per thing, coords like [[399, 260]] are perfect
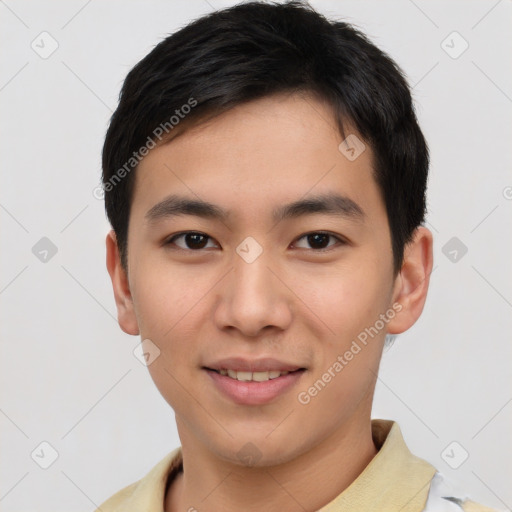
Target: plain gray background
[[68, 374]]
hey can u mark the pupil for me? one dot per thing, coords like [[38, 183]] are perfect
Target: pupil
[[315, 238], [198, 241], [193, 240]]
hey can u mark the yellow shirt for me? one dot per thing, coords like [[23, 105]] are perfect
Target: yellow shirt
[[394, 480]]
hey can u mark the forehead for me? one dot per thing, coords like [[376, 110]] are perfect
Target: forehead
[[256, 156]]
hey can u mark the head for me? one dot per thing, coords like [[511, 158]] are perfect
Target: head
[[287, 147]]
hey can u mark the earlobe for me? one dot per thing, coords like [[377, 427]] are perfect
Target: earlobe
[[411, 284], [124, 303]]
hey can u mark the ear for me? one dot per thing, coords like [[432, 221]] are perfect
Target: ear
[[411, 284], [125, 311]]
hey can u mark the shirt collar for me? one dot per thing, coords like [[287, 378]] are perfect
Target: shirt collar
[[395, 479]]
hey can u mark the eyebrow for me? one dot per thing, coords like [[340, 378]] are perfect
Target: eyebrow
[[331, 204]]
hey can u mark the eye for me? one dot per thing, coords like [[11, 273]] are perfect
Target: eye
[[195, 241], [319, 240], [192, 240]]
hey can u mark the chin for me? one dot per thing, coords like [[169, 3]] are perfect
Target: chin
[[259, 452]]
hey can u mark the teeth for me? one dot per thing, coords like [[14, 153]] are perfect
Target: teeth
[[261, 376], [252, 376]]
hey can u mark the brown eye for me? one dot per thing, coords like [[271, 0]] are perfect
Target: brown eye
[[320, 240], [192, 240]]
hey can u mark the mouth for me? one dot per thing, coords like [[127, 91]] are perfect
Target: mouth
[[261, 387]]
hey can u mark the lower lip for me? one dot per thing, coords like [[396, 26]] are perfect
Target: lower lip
[[254, 393]]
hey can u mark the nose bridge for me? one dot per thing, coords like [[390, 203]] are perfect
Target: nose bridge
[[253, 298], [253, 275], [252, 279]]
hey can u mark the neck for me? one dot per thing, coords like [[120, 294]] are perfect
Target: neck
[[307, 482]]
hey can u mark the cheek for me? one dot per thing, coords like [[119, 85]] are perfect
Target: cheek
[[162, 298], [162, 316], [168, 310], [348, 299], [348, 356], [352, 302]]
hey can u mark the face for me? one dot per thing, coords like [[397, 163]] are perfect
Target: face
[[237, 294]]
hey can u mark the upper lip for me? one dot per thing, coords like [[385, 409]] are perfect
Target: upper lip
[[252, 365]]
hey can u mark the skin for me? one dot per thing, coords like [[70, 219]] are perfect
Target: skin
[[293, 303]]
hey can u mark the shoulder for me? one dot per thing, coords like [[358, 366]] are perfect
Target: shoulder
[[149, 492], [471, 506], [119, 498]]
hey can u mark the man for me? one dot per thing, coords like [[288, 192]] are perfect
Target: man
[[265, 179]]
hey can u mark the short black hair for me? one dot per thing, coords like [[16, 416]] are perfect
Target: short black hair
[[257, 49]]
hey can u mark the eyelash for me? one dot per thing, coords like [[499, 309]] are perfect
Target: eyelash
[[341, 241]]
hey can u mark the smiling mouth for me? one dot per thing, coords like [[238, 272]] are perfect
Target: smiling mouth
[[245, 376]]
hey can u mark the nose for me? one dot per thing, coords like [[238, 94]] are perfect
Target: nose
[[252, 298]]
